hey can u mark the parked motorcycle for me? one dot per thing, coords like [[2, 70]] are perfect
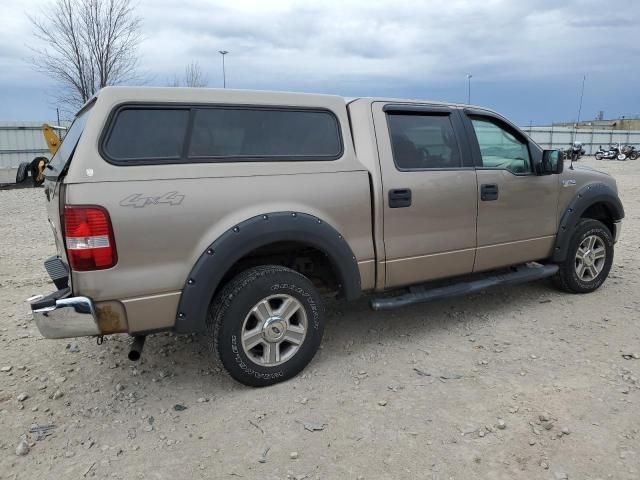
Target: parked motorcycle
[[631, 152], [612, 153], [576, 151]]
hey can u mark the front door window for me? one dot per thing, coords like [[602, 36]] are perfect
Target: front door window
[[501, 149]]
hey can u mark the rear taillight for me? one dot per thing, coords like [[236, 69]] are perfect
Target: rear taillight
[[89, 238]]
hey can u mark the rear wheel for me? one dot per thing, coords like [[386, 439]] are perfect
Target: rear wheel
[[266, 325], [589, 258], [598, 156]]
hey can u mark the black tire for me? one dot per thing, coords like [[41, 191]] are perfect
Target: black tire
[[232, 306], [598, 156], [567, 278], [23, 172]]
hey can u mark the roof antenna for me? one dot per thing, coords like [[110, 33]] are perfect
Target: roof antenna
[[575, 130]]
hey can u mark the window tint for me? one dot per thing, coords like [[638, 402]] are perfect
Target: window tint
[[241, 132], [147, 133], [500, 148], [423, 141]]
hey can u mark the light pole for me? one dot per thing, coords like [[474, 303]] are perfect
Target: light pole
[[469, 88], [224, 75]]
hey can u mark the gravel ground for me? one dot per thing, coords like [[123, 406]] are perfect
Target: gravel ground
[[515, 383]]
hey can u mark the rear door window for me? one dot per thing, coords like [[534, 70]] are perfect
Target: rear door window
[[147, 134], [423, 141]]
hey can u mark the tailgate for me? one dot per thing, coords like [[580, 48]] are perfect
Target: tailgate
[[54, 188]]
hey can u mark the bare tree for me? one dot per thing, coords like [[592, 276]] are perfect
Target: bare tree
[[89, 44], [193, 77]]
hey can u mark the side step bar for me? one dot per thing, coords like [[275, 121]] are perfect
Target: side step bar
[[422, 294]]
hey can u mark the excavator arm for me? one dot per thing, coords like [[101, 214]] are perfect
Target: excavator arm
[[53, 142]]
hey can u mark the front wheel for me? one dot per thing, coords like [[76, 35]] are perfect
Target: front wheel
[[266, 325], [589, 258], [622, 157]]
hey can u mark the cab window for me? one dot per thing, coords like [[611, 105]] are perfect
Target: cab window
[[501, 149]]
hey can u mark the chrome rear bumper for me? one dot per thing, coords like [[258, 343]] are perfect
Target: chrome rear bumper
[[60, 316]]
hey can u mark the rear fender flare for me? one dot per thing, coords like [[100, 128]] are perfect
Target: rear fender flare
[[592, 194], [256, 232]]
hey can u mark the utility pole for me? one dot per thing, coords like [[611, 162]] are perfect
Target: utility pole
[[469, 76], [224, 75]]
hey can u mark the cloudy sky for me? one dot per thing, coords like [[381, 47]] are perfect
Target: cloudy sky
[[527, 58]]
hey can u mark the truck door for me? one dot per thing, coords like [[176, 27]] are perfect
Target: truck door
[[517, 209], [429, 192]]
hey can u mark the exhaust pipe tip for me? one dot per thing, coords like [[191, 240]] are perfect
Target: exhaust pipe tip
[[134, 355], [136, 348]]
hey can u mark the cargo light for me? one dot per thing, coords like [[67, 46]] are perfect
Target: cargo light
[[89, 238]]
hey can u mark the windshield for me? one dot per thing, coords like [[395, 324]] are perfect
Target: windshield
[[60, 160]]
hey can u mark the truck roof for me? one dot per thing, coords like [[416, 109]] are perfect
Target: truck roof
[[119, 94]]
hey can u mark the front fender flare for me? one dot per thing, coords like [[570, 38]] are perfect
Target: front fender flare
[[256, 232], [592, 194]]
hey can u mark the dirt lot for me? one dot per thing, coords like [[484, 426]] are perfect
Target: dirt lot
[[521, 382]]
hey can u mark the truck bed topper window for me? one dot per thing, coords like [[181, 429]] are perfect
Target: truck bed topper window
[[151, 134]]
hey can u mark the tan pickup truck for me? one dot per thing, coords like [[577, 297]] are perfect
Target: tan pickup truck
[[234, 213]]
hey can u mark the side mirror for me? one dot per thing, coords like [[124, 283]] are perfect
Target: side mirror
[[552, 163]]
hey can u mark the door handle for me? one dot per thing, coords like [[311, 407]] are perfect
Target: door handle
[[488, 192], [400, 198]]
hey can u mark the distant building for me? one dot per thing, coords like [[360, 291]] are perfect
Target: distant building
[[601, 124]]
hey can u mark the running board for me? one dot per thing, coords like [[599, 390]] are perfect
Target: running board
[[422, 294]]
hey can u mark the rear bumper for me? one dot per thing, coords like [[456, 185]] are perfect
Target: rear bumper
[[60, 316]]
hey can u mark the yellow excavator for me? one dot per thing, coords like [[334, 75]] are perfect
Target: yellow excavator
[[35, 168]]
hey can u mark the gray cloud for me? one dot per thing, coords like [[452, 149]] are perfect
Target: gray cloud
[[384, 47]]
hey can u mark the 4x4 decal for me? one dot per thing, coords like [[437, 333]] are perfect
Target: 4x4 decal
[[138, 200]]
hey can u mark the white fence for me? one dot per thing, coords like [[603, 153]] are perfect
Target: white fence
[[561, 138], [21, 142]]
